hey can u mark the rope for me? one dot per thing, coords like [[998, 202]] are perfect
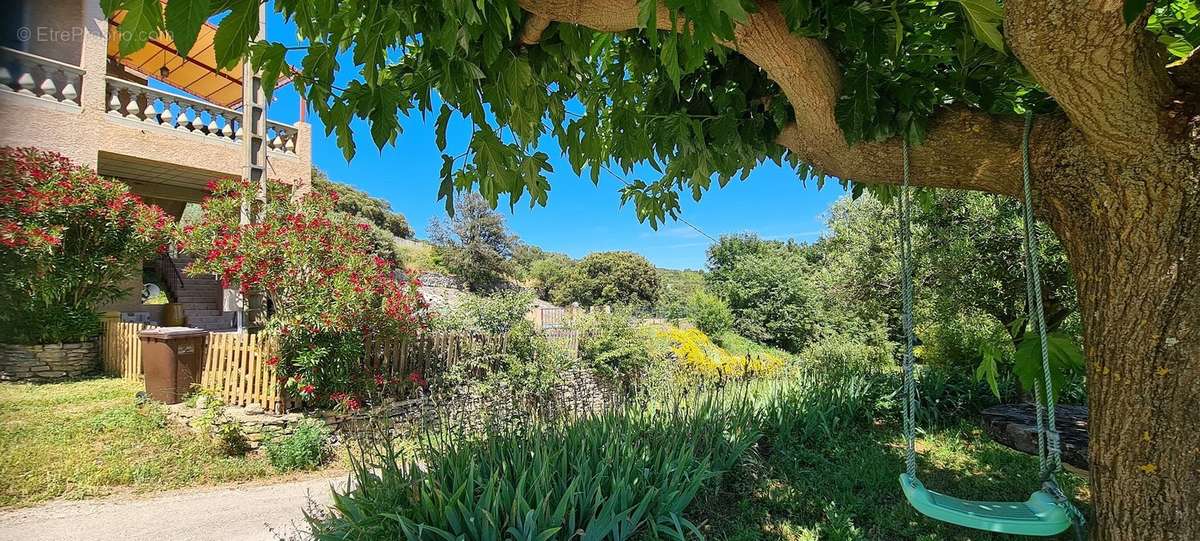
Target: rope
[[906, 279], [1049, 447]]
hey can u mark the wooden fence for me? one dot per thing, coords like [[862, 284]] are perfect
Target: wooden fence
[[121, 350], [235, 364]]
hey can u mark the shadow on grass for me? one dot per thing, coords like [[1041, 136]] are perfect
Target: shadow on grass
[[847, 488]]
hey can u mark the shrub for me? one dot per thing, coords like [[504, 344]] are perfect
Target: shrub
[[305, 448], [710, 314], [231, 441], [527, 370], [841, 352], [493, 314], [316, 267], [616, 474], [613, 343], [68, 238], [698, 360]]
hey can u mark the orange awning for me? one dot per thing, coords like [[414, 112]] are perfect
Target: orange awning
[[196, 74]]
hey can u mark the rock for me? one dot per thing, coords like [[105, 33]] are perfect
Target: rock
[[254, 409], [201, 402]]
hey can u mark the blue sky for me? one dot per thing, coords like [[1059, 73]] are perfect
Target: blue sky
[[580, 217]]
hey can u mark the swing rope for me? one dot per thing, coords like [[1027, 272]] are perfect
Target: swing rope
[[1049, 445]]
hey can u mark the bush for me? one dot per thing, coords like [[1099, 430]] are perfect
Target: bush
[[475, 245], [613, 343], [317, 268], [493, 314], [840, 353], [617, 474], [710, 314], [68, 238], [697, 360], [305, 448], [611, 278]]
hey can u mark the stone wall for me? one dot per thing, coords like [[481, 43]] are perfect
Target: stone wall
[[464, 410], [50, 362]]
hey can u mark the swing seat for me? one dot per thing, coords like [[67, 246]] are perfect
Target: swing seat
[[1039, 515]]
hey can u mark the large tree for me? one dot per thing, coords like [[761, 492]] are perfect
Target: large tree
[[705, 90]]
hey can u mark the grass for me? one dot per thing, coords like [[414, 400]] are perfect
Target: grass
[[740, 345], [846, 488], [89, 438]]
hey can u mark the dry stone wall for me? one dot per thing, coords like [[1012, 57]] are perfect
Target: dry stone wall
[[49, 362]]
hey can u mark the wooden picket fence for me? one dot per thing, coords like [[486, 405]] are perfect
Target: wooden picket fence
[[121, 350], [236, 369]]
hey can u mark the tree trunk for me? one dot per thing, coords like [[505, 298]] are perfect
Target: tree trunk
[[1132, 232]]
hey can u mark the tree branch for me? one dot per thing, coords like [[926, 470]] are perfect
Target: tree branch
[[1109, 77], [963, 149]]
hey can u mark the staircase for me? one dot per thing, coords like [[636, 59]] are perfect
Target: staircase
[[200, 297]]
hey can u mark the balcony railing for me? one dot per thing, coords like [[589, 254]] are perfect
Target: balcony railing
[[39, 77], [161, 108]]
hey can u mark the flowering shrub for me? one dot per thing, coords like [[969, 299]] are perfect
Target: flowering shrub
[[699, 360], [316, 267], [68, 237]]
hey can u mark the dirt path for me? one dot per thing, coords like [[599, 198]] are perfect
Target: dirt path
[[236, 513]]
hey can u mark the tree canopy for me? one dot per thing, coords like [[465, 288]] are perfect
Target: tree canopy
[[671, 84]]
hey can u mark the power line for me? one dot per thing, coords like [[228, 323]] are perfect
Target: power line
[[680, 218]]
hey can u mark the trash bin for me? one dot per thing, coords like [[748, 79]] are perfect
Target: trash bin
[[172, 358]]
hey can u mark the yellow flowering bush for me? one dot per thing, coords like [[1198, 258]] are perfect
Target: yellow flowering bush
[[700, 360]]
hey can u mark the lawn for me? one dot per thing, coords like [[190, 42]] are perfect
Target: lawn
[[90, 438], [846, 487]]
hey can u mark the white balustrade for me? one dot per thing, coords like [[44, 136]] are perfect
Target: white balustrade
[[161, 108], [281, 137], [32, 75]]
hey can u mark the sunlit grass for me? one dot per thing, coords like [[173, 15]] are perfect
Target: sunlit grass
[[90, 438], [847, 487]]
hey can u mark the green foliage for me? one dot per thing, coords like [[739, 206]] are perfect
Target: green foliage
[[359, 203], [673, 98], [68, 239], [678, 287], [611, 278], [617, 474], [841, 353], [767, 286], [475, 245], [1064, 356], [231, 441], [305, 448], [493, 314], [549, 277], [613, 343], [710, 314]]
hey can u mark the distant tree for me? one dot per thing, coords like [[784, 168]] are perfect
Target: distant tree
[[710, 314], [769, 288], [678, 287], [622, 278], [549, 277], [475, 245]]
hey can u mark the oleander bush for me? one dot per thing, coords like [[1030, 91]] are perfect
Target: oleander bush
[[68, 239]]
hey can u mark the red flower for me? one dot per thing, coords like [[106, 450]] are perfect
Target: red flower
[[307, 389], [416, 378], [274, 360]]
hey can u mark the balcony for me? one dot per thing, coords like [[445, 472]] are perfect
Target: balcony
[[166, 145]]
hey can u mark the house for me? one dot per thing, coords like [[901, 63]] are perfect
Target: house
[[64, 88]]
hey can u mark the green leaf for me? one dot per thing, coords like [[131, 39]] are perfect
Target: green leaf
[[1133, 9], [670, 60], [234, 34], [143, 20], [183, 20], [267, 57], [1064, 356], [439, 129], [988, 367], [984, 18]]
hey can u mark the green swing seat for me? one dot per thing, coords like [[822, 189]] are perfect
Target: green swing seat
[[1039, 515]]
